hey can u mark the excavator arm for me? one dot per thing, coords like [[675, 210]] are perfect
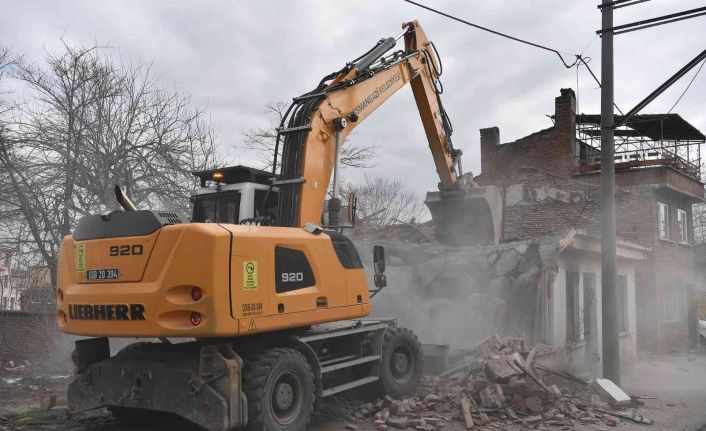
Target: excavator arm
[[318, 122]]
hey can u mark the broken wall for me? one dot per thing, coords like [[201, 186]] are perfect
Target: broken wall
[[460, 295]]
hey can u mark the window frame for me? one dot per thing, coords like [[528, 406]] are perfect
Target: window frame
[[220, 206], [661, 221], [683, 226]]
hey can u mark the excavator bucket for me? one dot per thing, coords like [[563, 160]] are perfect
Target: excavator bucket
[[467, 216]]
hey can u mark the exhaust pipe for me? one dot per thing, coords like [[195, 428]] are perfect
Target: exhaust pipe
[[123, 200]]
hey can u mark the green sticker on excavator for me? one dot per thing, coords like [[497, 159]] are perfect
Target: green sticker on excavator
[[250, 275], [81, 258]]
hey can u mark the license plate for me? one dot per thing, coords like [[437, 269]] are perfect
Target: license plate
[[102, 274]]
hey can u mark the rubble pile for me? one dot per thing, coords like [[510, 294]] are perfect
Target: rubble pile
[[501, 385]]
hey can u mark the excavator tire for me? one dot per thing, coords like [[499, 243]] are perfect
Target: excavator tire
[[279, 386], [401, 364]]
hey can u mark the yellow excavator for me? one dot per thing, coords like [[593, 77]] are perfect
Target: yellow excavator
[[258, 309]]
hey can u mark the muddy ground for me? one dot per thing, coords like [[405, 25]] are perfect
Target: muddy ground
[[677, 382]]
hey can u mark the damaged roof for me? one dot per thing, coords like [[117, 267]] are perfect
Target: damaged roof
[[654, 126]]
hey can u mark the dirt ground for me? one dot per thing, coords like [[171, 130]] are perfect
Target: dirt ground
[[677, 382]]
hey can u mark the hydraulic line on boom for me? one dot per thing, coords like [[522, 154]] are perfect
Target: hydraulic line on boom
[[316, 123]]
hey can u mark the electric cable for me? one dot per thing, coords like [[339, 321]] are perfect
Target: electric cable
[[516, 39], [687, 87], [595, 78]]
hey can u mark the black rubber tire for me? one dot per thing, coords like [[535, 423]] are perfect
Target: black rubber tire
[[400, 377], [273, 367]]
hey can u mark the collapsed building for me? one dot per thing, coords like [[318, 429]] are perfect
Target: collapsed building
[[552, 182], [528, 289], [543, 279]]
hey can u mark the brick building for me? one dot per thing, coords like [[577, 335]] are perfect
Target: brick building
[[551, 183]]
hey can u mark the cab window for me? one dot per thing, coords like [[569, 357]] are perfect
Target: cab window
[[221, 207]]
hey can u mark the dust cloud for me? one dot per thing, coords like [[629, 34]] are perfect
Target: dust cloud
[[459, 296]]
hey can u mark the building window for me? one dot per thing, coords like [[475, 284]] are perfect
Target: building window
[[663, 220], [623, 319], [683, 222], [573, 325]]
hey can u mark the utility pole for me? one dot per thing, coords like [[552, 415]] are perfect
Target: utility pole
[[609, 294]]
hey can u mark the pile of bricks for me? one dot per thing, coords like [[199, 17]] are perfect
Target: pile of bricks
[[499, 386]]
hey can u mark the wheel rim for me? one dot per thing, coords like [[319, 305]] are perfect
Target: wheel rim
[[401, 364], [286, 398]]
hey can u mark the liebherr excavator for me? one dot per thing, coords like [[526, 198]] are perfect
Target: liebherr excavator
[[259, 309]]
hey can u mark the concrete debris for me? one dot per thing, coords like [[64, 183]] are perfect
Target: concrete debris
[[498, 394], [492, 397], [466, 410], [501, 367], [607, 389], [488, 347]]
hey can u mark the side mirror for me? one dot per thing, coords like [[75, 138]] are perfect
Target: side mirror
[[379, 278], [352, 207], [379, 259]]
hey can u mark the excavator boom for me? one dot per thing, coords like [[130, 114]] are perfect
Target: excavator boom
[[318, 122]]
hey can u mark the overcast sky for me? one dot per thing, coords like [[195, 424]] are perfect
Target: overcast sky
[[235, 56]]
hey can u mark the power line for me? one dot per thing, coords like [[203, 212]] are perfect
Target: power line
[[480, 27], [687, 87], [652, 22], [617, 4], [595, 78], [668, 83], [579, 57]]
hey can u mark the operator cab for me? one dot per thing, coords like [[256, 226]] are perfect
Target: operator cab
[[234, 194]]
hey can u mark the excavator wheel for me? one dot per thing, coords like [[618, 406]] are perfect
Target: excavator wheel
[[279, 386], [401, 364]]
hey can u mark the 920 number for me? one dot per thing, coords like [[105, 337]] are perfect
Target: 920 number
[[288, 277], [126, 250]]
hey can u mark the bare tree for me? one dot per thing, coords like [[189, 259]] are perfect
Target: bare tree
[[88, 124], [384, 201], [6, 61], [262, 141]]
